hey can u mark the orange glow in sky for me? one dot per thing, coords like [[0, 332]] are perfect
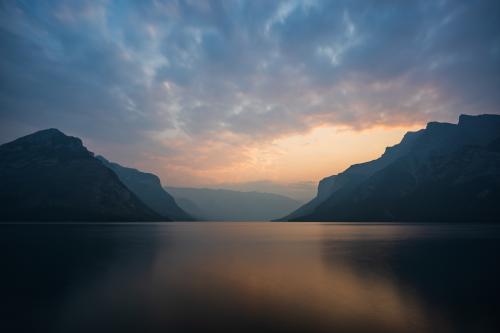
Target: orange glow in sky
[[311, 156], [322, 152]]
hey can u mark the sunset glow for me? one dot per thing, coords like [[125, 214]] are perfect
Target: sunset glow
[[311, 156], [202, 95], [250, 166]]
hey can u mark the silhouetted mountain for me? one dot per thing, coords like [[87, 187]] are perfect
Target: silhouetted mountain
[[147, 187], [227, 205], [48, 176], [445, 172]]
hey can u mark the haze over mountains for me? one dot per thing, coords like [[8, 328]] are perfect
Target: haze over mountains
[[443, 173], [227, 205], [299, 191]]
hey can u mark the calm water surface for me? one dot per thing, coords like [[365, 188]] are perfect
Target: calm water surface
[[249, 277]]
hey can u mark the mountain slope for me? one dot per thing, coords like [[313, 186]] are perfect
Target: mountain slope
[[445, 172], [148, 188], [354, 175], [228, 205], [48, 176]]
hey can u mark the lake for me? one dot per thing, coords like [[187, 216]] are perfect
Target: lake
[[250, 277]]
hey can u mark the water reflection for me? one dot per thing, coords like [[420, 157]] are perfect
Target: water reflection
[[260, 277]]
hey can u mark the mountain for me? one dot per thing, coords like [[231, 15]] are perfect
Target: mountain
[[49, 176], [300, 191], [227, 205], [445, 172], [148, 188]]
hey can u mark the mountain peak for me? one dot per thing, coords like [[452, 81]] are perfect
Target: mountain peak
[[49, 132], [49, 143], [436, 125], [48, 136]]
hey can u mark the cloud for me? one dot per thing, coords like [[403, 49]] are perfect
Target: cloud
[[151, 75]]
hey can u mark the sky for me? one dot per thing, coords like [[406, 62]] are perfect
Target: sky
[[244, 94]]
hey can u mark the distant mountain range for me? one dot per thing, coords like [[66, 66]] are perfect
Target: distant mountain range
[[227, 205], [49, 176], [443, 173], [301, 191]]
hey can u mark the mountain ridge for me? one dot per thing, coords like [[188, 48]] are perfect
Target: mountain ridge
[[426, 155], [49, 176], [147, 186], [230, 205]]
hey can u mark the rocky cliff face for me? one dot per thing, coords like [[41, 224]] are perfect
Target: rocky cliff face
[[446, 172], [354, 175], [48, 176], [147, 187]]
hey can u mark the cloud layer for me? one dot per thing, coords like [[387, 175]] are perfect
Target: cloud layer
[[199, 84]]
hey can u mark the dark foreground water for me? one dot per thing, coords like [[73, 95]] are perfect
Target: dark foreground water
[[249, 277]]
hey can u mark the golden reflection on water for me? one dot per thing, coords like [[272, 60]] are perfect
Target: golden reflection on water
[[293, 279]]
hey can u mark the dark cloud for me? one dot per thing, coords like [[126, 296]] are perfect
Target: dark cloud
[[61, 68], [139, 73]]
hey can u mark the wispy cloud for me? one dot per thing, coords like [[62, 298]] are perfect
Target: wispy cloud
[[186, 82]]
